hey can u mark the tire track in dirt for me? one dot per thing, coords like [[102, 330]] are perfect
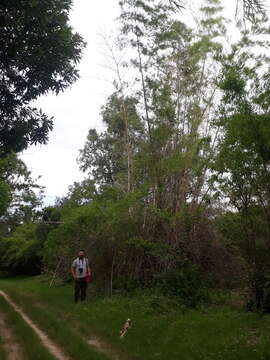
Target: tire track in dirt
[[11, 347], [52, 347]]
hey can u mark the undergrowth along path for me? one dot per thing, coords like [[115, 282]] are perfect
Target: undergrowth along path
[[53, 348]]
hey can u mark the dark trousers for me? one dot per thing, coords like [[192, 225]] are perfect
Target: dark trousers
[[80, 289]]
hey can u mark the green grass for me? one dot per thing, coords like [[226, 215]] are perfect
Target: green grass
[[49, 318], [2, 352], [219, 333], [24, 335]]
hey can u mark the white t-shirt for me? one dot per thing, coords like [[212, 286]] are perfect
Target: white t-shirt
[[80, 266]]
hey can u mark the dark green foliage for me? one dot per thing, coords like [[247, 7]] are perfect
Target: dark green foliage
[[242, 164], [102, 228], [232, 83], [51, 215], [21, 252], [247, 235], [187, 283], [259, 301], [4, 196], [22, 248], [80, 193], [24, 196], [39, 53], [105, 155]]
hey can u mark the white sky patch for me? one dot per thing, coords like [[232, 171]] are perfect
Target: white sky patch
[[77, 109]]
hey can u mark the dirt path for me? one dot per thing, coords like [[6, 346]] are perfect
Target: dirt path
[[12, 349], [95, 342], [48, 343]]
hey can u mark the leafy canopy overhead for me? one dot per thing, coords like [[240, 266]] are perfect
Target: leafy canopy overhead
[[38, 53]]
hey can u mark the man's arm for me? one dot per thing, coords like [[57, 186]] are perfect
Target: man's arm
[[72, 270]]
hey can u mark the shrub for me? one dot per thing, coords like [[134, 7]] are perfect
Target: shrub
[[185, 283]]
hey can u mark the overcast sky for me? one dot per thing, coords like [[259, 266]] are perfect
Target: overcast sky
[[77, 109]]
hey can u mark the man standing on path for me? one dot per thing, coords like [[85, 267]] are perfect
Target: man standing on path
[[80, 270]]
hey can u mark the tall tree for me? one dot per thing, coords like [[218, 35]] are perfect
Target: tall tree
[[176, 92], [244, 158], [106, 156], [22, 196], [38, 53], [169, 108]]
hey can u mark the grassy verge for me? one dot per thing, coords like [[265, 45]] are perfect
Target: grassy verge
[[24, 335], [50, 320], [214, 334]]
